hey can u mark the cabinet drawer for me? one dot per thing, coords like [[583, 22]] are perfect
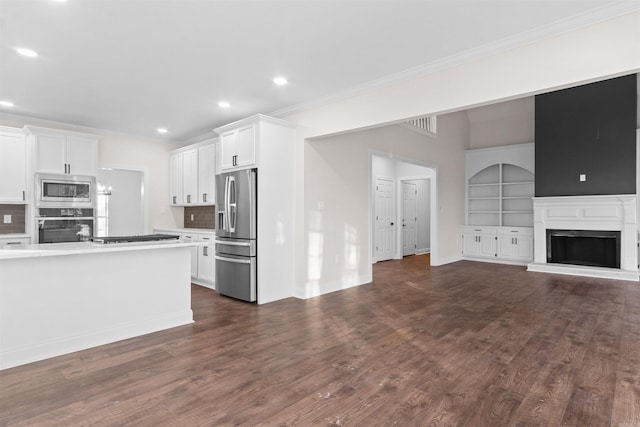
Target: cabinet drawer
[[515, 231], [478, 230]]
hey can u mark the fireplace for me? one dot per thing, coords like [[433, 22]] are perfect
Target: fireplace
[[584, 247], [593, 236]]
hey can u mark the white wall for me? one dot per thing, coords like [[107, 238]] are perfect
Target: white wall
[[504, 123], [153, 158], [331, 188], [336, 251], [126, 203]]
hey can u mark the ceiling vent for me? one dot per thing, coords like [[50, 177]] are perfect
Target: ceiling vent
[[426, 124]]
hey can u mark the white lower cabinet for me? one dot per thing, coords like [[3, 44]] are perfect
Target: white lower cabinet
[[479, 242], [11, 241], [203, 265], [509, 244], [206, 260]]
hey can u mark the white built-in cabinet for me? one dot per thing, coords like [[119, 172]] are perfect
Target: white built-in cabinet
[[192, 172], [14, 241], [203, 266], [238, 147], [13, 166], [267, 144], [62, 152], [500, 191]]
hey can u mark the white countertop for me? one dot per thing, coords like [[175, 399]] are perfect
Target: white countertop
[[186, 230], [78, 248]]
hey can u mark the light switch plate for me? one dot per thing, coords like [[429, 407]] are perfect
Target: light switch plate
[[7, 219], [583, 177]]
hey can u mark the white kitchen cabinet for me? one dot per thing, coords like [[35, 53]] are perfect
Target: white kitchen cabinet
[[190, 177], [206, 261], [175, 179], [479, 242], [60, 152], [13, 164], [191, 237], [14, 241], [192, 171], [238, 147], [207, 174], [203, 267]]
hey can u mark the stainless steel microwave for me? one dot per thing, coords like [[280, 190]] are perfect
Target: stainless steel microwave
[[65, 191]]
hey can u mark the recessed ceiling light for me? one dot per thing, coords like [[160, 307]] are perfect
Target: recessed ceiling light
[[280, 81], [6, 104], [224, 104], [162, 130], [26, 52]]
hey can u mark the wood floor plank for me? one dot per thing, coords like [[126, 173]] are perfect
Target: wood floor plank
[[466, 343]]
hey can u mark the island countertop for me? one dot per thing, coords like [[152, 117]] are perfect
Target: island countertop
[[77, 248]]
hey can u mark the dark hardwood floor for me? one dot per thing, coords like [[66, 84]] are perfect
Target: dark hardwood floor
[[469, 344]]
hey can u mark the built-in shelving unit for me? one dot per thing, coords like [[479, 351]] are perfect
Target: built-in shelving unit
[[500, 191], [500, 195]]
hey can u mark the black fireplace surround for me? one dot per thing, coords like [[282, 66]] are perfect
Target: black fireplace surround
[[584, 247]]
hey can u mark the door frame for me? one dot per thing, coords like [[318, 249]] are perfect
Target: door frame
[[401, 216], [145, 187], [432, 175]]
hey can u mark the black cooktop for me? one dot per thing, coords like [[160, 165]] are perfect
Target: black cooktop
[[129, 239]]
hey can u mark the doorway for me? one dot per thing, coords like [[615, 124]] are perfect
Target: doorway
[[410, 221], [120, 202]]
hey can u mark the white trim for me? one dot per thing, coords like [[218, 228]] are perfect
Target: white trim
[[574, 270], [445, 260], [328, 287], [562, 26]]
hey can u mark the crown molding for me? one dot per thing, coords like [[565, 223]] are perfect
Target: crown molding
[[585, 19], [34, 121]]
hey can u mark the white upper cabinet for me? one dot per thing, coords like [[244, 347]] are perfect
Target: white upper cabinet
[[207, 174], [190, 177], [67, 153], [13, 163], [192, 171], [238, 148], [175, 179]]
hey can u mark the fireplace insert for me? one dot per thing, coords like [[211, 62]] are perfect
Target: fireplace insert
[[593, 248]]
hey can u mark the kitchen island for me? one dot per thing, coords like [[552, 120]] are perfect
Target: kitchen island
[[60, 298]]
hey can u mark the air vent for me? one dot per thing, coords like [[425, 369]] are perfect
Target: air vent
[[426, 123]]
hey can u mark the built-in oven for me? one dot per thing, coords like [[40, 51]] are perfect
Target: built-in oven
[[64, 224], [65, 190]]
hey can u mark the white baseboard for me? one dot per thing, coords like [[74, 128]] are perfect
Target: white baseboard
[[203, 283], [445, 260], [328, 287]]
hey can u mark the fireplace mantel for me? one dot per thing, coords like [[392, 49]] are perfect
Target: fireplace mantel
[[611, 213]]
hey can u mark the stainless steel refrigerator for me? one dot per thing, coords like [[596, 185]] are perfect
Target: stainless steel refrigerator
[[236, 234]]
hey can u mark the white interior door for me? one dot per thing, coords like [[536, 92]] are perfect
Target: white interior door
[[384, 219], [409, 219]]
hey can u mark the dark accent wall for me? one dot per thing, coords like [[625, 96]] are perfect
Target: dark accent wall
[[591, 130]]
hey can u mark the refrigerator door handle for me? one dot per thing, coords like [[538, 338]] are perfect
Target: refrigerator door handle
[[224, 242], [237, 261], [232, 197]]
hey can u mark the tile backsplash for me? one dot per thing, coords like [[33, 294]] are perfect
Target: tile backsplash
[[203, 217], [17, 224]]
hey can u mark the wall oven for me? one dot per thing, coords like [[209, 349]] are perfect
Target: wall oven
[[64, 224], [65, 191]]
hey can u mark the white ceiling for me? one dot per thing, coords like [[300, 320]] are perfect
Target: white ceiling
[[132, 66]]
